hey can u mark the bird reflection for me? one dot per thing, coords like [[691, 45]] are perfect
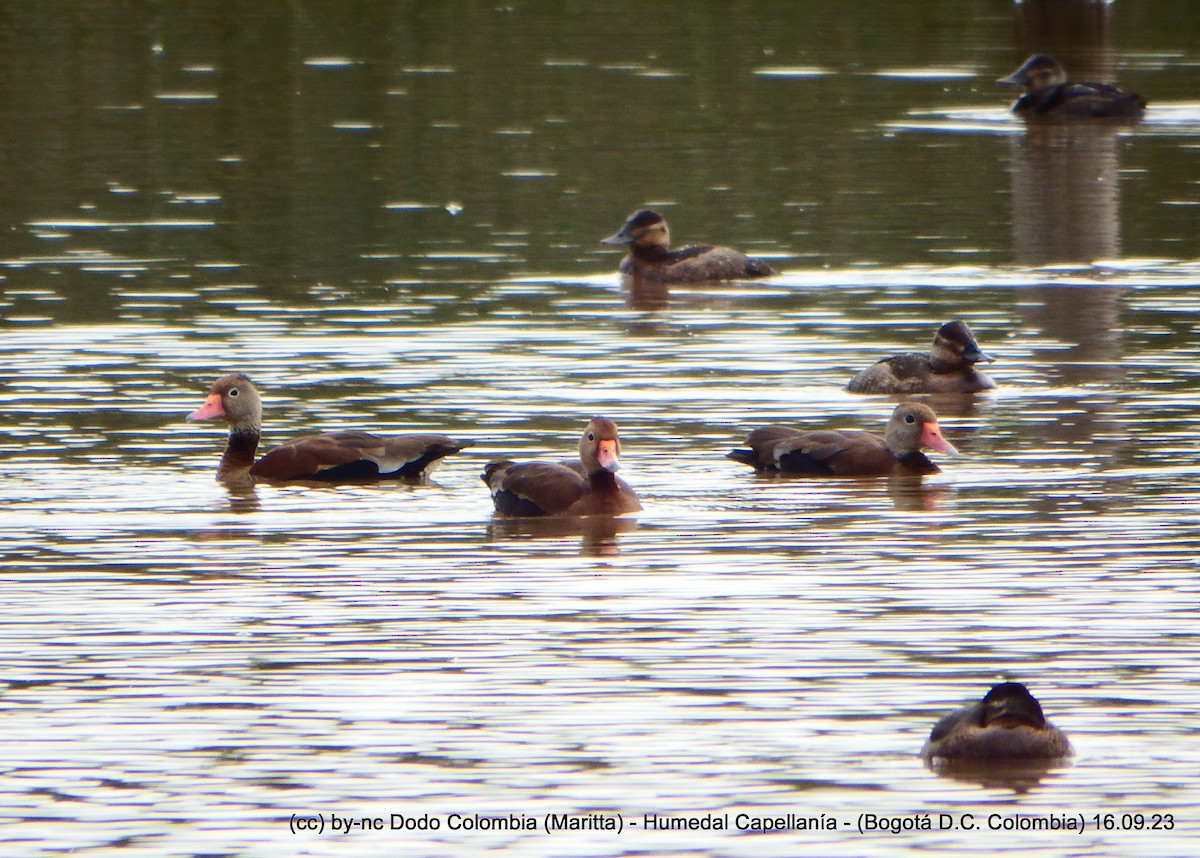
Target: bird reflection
[[598, 533], [646, 295], [652, 296], [958, 405], [243, 498], [912, 494], [1019, 776]]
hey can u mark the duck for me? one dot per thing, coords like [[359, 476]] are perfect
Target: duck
[[1006, 725], [336, 457], [832, 453], [650, 257], [588, 486], [948, 368], [1048, 94]]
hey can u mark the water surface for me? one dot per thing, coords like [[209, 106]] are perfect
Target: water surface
[[389, 217]]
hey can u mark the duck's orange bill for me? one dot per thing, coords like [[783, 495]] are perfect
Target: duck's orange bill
[[931, 437], [606, 455], [210, 408]]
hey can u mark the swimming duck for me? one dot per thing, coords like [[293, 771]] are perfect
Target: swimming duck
[[948, 368], [334, 457], [651, 257], [587, 487], [1006, 725], [827, 452], [1048, 93]]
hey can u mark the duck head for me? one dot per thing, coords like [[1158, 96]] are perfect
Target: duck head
[[644, 228], [913, 425], [1037, 72]]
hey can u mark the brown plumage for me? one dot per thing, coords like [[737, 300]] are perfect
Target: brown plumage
[[551, 488], [651, 257], [827, 452], [948, 368], [334, 457], [1007, 725], [1048, 94]]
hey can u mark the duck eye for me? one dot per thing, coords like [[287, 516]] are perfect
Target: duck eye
[[233, 391], [908, 418]]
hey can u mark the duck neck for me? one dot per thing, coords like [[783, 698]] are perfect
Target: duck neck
[[602, 480], [943, 357], [916, 461], [239, 453], [650, 252]]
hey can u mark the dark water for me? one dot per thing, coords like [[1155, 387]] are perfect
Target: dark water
[[388, 214]]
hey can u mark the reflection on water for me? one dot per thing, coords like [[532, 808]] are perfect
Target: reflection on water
[[598, 536], [1075, 32], [1066, 193], [434, 656], [1019, 777]]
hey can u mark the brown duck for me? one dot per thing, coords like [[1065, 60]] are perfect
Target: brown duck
[[948, 368], [334, 457], [827, 452], [587, 487], [1007, 725], [651, 257]]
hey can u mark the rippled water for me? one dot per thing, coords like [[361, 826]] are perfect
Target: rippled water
[[190, 670]]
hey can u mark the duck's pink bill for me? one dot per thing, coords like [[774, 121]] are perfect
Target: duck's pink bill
[[606, 454], [931, 437], [211, 408]]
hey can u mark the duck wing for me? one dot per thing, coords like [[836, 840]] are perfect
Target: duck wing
[[761, 443], [533, 488], [352, 455], [833, 453]]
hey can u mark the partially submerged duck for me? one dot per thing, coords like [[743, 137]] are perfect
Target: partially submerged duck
[[1006, 726], [948, 368], [333, 457], [1049, 94], [587, 487], [650, 257], [827, 452]]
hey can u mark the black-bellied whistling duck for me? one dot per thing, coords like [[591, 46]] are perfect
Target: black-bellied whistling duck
[[827, 452], [948, 368], [1006, 726], [551, 488], [333, 457], [651, 257], [1048, 94]]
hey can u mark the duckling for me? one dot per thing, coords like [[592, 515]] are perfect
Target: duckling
[[948, 368], [651, 257], [1049, 94], [1006, 725], [830, 453]]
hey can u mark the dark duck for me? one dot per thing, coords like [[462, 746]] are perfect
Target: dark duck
[[588, 486], [1006, 726], [836, 453], [1048, 94], [651, 257], [333, 457], [949, 367]]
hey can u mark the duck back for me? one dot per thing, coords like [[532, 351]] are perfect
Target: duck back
[[695, 264], [915, 373]]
